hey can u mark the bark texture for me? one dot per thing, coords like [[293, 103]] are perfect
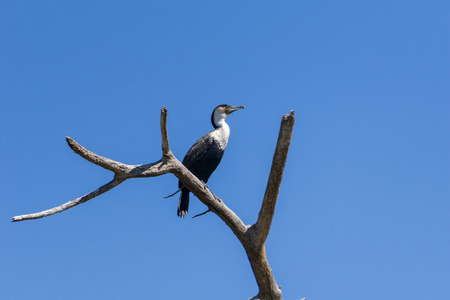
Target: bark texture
[[252, 237]]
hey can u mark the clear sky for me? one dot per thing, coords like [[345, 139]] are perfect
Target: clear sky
[[364, 207]]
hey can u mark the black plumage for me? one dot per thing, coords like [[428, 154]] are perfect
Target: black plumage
[[205, 155]]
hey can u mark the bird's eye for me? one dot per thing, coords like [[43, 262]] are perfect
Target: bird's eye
[[228, 106]]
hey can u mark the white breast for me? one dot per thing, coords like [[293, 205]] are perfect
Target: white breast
[[221, 135]]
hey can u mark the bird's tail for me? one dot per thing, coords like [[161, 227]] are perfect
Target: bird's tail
[[183, 205]]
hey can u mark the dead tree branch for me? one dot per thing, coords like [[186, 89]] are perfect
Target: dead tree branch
[[103, 189], [252, 237], [267, 211]]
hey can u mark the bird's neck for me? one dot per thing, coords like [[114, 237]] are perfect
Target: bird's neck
[[222, 133]]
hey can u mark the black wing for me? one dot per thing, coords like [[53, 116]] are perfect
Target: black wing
[[198, 150]]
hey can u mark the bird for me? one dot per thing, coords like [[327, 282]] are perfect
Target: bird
[[205, 155]]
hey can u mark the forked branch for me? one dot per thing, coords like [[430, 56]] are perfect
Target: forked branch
[[252, 237], [121, 172]]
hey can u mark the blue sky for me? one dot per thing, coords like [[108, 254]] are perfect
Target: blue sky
[[363, 211]]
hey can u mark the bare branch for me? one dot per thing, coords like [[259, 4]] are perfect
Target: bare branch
[[267, 211], [122, 172], [268, 288], [149, 170], [201, 214], [252, 237], [103, 189], [101, 161], [164, 135], [198, 188]]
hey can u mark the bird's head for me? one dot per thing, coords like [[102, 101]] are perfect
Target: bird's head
[[221, 112]]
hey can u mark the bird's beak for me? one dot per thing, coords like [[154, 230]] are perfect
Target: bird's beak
[[233, 109]]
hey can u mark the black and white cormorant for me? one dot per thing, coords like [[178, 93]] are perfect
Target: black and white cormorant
[[205, 155]]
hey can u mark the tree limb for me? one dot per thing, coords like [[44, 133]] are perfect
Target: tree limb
[[251, 237], [257, 233], [103, 189], [121, 171], [198, 188], [267, 211], [164, 135], [96, 159]]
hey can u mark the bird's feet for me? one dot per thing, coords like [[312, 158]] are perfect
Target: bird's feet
[[205, 186], [217, 198]]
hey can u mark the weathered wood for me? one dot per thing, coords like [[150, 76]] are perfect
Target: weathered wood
[[252, 237], [267, 211], [103, 189]]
